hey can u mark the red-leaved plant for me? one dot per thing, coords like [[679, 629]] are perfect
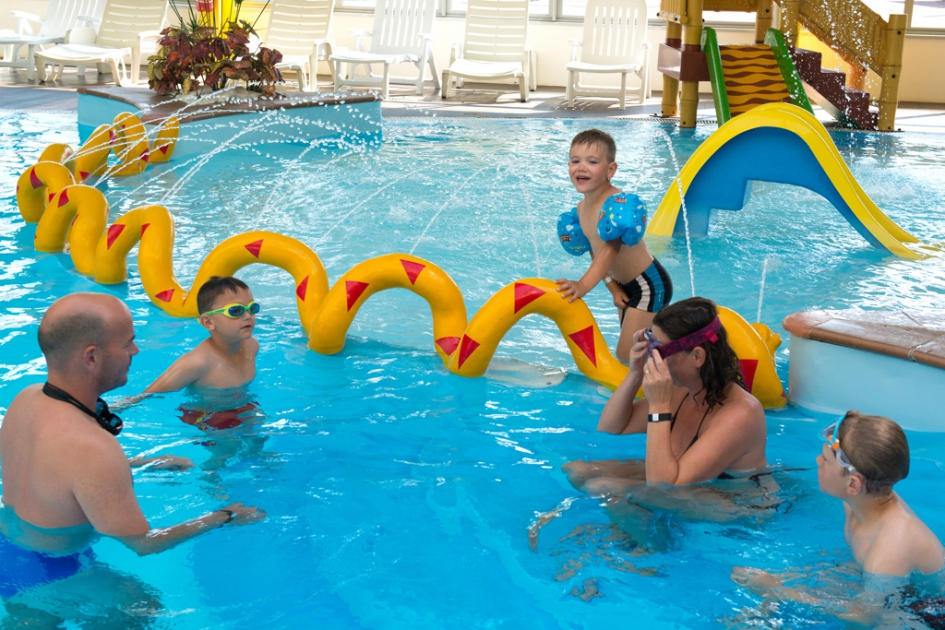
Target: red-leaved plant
[[197, 53]]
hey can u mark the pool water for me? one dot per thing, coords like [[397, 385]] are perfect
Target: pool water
[[399, 495]]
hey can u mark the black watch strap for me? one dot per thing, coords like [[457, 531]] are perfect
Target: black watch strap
[[659, 417]]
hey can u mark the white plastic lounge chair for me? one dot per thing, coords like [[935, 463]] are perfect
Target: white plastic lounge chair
[[614, 43], [494, 46], [125, 26], [402, 33], [301, 31], [61, 17]]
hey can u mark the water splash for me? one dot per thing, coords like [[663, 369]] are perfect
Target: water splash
[[682, 199]]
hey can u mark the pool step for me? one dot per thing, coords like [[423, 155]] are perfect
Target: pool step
[[830, 91]]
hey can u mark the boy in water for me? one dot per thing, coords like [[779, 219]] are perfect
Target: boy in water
[[227, 359], [610, 224], [861, 459]]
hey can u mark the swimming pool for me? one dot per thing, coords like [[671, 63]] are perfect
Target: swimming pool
[[399, 495]]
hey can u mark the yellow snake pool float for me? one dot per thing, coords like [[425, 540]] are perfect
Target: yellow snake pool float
[[77, 214]]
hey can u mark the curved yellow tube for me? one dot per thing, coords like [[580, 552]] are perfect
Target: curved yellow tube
[[46, 193], [755, 345], [330, 325], [90, 160], [83, 209], [536, 295], [59, 152], [163, 146], [267, 248], [37, 185], [131, 145]]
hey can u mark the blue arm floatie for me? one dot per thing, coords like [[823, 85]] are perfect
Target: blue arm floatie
[[570, 234], [622, 216]]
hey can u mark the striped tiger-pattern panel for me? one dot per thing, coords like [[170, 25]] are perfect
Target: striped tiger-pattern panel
[[752, 77]]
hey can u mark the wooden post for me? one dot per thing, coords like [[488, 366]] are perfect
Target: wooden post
[[892, 67], [692, 41], [790, 13], [671, 85], [763, 19]]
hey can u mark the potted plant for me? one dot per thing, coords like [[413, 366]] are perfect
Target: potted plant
[[204, 52]]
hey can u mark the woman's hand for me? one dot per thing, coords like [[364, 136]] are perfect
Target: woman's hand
[[639, 353], [573, 289], [657, 383]]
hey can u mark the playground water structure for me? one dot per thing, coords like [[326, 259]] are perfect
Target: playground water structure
[[375, 465]]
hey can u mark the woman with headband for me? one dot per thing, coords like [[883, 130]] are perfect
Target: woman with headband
[[700, 422]]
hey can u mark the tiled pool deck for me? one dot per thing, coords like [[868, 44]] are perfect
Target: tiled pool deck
[[18, 93]]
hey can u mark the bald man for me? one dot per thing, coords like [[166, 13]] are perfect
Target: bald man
[[65, 477]]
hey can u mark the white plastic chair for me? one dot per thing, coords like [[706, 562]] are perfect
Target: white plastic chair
[[402, 33], [61, 17], [301, 31], [494, 47], [126, 24], [614, 43]]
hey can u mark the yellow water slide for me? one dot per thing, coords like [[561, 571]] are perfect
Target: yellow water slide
[[752, 150]]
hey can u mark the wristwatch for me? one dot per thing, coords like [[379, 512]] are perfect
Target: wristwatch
[[659, 417]]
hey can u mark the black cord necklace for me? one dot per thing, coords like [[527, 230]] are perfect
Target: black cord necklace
[[105, 418]]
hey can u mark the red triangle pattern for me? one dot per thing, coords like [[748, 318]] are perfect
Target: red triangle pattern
[[749, 367], [448, 344], [35, 181], [254, 247], [584, 339], [114, 231], [144, 226], [145, 156], [64, 197], [163, 148], [353, 290], [413, 269], [302, 289], [83, 176], [525, 294], [466, 347], [165, 296]]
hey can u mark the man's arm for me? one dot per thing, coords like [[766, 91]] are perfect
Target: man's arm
[[158, 540], [186, 370], [104, 489]]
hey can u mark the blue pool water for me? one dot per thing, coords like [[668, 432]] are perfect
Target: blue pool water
[[399, 495]]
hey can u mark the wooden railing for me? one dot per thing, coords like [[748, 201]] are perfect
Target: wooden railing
[[859, 35]]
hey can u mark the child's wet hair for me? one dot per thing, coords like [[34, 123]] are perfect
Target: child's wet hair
[[214, 288], [877, 448], [598, 137]]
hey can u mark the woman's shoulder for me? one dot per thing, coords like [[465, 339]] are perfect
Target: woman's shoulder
[[740, 404]]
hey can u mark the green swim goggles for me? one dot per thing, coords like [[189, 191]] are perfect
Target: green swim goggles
[[236, 310]]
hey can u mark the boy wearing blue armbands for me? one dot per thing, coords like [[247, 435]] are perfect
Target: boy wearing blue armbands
[[610, 224]]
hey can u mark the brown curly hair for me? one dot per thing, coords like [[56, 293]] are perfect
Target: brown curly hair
[[721, 367]]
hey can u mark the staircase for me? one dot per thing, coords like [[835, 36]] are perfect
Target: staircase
[[846, 104]]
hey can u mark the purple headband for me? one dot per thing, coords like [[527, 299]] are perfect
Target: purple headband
[[709, 333]]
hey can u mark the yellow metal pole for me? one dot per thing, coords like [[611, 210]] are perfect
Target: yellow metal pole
[[692, 41], [671, 85], [892, 67], [790, 13], [763, 19]]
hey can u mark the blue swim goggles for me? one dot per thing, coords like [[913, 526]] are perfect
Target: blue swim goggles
[[829, 434]]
